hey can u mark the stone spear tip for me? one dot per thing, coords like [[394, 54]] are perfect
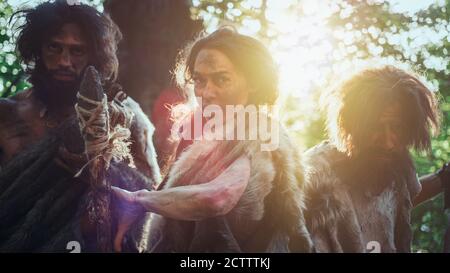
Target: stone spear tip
[[91, 86]]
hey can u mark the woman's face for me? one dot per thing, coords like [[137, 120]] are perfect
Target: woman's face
[[217, 81]]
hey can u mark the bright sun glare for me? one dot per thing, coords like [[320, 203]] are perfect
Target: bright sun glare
[[311, 54], [304, 45]]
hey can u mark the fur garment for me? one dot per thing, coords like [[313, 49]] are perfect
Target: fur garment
[[267, 218], [344, 218], [43, 207]]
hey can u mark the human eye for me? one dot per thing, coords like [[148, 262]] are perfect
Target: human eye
[[199, 81], [78, 51], [221, 80], [54, 47]]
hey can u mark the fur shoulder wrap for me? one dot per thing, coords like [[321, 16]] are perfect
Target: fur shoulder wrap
[[343, 218], [267, 218]]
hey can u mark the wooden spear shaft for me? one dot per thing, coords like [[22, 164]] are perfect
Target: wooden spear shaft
[[94, 133]]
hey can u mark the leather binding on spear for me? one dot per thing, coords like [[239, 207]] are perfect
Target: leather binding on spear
[[105, 130]]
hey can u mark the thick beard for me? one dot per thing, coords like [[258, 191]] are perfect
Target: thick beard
[[371, 175], [54, 93]]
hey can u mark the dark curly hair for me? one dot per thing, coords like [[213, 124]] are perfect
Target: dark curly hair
[[248, 54], [46, 19]]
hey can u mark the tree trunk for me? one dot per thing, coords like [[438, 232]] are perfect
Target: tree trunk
[[153, 33]]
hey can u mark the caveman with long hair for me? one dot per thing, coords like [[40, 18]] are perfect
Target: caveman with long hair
[[230, 194], [42, 207], [362, 183]]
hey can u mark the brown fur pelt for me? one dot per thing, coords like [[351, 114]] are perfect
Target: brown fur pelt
[[142, 147], [342, 217], [42, 205], [21, 127], [267, 218], [142, 130]]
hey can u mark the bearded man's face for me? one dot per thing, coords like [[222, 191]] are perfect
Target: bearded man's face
[[383, 156], [385, 139], [64, 58]]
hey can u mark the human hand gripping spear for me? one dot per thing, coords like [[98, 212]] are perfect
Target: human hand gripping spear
[[104, 140]]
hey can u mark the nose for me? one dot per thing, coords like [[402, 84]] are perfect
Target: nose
[[209, 92], [65, 59], [390, 140]]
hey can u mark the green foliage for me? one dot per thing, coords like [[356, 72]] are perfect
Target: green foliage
[[422, 41], [11, 72], [364, 31], [235, 12], [361, 31]]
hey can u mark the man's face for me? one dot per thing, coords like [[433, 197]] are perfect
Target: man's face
[[65, 55], [386, 139], [217, 81], [383, 156]]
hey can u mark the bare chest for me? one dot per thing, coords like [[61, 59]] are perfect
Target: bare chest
[[21, 126]]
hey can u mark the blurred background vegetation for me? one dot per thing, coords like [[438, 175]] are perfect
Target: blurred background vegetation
[[315, 44]]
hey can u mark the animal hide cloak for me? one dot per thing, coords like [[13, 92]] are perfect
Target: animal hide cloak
[[344, 218], [267, 218], [43, 207]]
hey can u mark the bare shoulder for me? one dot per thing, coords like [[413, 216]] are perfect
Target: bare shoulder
[[18, 97], [8, 106], [21, 96]]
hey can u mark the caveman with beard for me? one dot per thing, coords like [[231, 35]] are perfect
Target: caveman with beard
[[362, 184], [39, 127]]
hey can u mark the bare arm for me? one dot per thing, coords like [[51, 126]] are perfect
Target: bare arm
[[196, 202], [431, 186], [191, 203]]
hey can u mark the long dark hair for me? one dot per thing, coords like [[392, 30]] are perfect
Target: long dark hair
[[45, 20], [357, 103], [249, 55]]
